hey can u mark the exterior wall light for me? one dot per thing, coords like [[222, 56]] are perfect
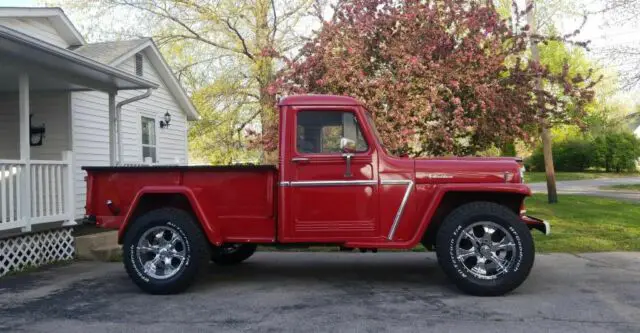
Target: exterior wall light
[[167, 119], [36, 133]]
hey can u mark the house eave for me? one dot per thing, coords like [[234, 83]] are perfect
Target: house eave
[[27, 49], [56, 15]]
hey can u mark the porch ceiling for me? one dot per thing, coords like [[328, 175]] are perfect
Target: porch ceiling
[[56, 69]]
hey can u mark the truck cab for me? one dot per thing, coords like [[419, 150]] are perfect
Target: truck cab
[[335, 185]]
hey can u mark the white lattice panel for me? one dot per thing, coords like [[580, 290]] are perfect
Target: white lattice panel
[[35, 249]]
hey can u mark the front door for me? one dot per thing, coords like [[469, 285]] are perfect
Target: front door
[[333, 188]]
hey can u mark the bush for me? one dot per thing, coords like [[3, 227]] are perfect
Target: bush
[[616, 152], [613, 152], [571, 155]]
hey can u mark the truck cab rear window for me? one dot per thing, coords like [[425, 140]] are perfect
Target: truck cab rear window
[[320, 132]]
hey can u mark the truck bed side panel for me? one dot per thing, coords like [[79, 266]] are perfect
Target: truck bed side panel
[[239, 202], [242, 202]]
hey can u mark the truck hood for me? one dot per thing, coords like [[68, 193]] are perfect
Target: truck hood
[[468, 170]]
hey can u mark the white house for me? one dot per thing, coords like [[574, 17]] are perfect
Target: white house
[[64, 104]]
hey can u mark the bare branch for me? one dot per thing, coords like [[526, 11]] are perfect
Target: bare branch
[[242, 40]]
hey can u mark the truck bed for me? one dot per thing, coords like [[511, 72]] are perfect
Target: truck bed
[[239, 199]]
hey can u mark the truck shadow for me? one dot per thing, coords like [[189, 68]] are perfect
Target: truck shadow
[[303, 268]]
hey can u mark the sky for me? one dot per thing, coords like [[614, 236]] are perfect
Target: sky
[[596, 30]]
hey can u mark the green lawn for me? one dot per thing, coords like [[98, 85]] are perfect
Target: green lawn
[[535, 177], [586, 224], [623, 187]]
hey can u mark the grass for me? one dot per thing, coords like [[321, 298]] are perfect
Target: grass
[[535, 177], [586, 224], [622, 187]]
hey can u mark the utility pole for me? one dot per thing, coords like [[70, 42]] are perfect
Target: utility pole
[[552, 193]]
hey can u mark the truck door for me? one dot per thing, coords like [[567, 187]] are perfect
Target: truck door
[[333, 187]]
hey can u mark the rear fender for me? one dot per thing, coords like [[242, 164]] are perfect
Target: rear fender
[[207, 225]]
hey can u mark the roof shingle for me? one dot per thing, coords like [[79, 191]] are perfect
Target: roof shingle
[[107, 52]]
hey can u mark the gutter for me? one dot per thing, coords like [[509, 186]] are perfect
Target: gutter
[[119, 119], [18, 37]]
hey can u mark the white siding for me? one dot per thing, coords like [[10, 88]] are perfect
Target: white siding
[[9, 121], [91, 128], [172, 141], [90, 138], [50, 109], [38, 27]]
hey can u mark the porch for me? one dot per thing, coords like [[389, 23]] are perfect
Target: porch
[[37, 168]]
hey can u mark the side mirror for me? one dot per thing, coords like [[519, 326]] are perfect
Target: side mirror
[[347, 145]]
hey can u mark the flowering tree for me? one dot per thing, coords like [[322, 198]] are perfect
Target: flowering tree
[[440, 77]]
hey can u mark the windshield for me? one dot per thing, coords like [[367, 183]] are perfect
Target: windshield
[[374, 129]]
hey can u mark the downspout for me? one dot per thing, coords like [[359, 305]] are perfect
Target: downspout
[[119, 119]]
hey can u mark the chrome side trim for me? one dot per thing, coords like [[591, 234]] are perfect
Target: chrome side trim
[[322, 183], [396, 219], [395, 181], [285, 184]]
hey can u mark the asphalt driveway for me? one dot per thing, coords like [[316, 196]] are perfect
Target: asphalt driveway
[[329, 292], [592, 187]]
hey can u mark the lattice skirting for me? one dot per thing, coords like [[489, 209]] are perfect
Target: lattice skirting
[[35, 249]]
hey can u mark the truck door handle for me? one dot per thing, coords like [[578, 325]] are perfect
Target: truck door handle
[[347, 172], [299, 159]]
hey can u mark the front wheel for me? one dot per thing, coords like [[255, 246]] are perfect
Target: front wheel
[[485, 249], [164, 250]]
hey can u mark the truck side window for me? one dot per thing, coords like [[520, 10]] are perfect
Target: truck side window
[[320, 132]]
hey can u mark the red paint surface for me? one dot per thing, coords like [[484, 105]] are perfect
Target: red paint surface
[[248, 205]]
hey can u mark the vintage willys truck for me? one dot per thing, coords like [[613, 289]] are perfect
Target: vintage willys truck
[[335, 185]]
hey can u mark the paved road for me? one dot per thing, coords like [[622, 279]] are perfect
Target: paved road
[[329, 292], [592, 187]]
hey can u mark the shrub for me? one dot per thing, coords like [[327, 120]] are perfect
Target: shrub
[[570, 155], [616, 151], [612, 151]]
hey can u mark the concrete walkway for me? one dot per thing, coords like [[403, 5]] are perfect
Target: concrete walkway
[[329, 292], [592, 187]]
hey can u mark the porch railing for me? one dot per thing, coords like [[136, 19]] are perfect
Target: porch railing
[[36, 192]]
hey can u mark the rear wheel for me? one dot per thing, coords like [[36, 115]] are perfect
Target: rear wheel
[[485, 249], [164, 250], [231, 254]]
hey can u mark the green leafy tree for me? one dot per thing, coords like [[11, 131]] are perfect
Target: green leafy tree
[[224, 51]]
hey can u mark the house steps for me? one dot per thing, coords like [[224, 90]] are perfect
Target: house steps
[[101, 246]]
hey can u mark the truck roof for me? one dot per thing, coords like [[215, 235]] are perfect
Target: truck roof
[[318, 100]]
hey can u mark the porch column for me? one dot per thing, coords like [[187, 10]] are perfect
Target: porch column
[[25, 149], [113, 151]]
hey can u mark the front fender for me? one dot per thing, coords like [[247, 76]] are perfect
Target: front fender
[[208, 226], [441, 190]]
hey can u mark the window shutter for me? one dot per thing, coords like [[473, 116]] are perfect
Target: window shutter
[[139, 63]]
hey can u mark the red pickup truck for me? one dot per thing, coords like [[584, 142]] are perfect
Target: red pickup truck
[[335, 185]]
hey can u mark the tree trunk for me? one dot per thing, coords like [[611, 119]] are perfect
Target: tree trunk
[[552, 193], [264, 71]]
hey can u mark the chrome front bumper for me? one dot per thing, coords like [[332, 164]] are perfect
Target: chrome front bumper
[[536, 223]]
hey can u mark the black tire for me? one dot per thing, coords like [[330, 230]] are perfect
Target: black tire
[[193, 243], [521, 254], [232, 254]]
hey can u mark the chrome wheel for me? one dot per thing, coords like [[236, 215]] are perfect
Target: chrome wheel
[[161, 252], [486, 250]]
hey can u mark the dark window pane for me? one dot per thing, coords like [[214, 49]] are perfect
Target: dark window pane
[[321, 131], [149, 152], [148, 131]]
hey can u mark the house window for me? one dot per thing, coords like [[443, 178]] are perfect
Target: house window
[[149, 139], [139, 63]]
